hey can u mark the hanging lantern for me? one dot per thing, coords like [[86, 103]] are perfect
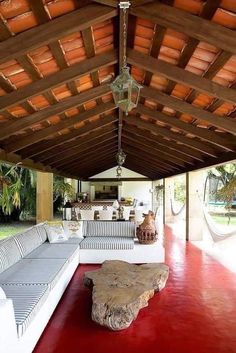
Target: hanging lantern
[[125, 91], [118, 172], [120, 157]]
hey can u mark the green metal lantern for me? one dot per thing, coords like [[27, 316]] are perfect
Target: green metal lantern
[[125, 91]]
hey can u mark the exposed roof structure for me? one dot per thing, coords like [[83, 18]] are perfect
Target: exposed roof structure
[[58, 58]]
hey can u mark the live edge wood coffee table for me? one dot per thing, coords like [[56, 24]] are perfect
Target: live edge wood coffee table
[[121, 289]]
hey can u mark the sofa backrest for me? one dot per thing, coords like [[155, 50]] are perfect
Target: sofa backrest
[[42, 231], [109, 229], [28, 240], [9, 253]]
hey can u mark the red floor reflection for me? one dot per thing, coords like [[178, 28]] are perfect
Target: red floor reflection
[[196, 312]]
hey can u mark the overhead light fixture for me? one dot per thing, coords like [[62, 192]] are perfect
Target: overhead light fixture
[[124, 88], [120, 158]]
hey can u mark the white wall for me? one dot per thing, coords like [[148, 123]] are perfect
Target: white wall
[[139, 190]]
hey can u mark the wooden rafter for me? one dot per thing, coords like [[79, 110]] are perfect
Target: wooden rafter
[[192, 143], [184, 22], [49, 32], [34, 137], [48, 145], [173, 147], [63, 76], [177, 74]]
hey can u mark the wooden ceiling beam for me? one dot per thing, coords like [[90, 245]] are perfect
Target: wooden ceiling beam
[[106, 153], [152, 144], [155, 161], [84, 67], [191, 25], [12, 127], [180, 75], [57, 28], [223, 158], [87, 173], [170, 146], [48, 145], [192, 143], [142, 167], [13, 158], [95, 136], [204, 134], [152, 149], [34, 137], [77, 151]]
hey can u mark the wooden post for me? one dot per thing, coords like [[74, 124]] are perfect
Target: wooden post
[[44, 198]]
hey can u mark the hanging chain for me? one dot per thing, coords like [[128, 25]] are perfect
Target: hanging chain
[[124, 5]]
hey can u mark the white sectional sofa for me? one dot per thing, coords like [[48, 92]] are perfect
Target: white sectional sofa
[[34, 273]]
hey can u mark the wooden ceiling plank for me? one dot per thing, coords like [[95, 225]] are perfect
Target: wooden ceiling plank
[[154, 143], [154, 149], [47, 145], [85, 150], [72, 72], [109, 152], [94, 137], [154, 160], [22, 142], [192, 143], [156, 154], [57, 28], [88, 40], [182, 76], [143, 170], [13, 158], [191, 25], [224, 123], [60, 107], [146, 162], [172, 146]]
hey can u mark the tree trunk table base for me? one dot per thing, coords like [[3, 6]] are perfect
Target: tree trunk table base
[[121, 289]]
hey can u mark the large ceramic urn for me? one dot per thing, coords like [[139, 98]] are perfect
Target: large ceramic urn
[[146, 232]]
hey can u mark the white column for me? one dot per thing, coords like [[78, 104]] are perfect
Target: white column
[[169, 187], [194, 210], [44, 198]]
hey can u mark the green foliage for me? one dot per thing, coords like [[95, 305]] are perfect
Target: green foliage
[[179, 190], [18, 190]]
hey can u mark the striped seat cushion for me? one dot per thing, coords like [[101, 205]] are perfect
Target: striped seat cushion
[[28, 241], [34, 271], [9, 253], [54, 251], [27, 301], [42, 232], [109, 229], [107, 243]]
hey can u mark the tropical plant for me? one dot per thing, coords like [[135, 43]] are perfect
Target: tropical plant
[[227, 175]]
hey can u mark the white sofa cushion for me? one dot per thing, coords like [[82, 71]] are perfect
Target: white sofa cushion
[[27, 301], [109, 229], [34, 271], [9, 253], [42, 231], [2, 294], [111, 243], [54, 251], [28, 240]]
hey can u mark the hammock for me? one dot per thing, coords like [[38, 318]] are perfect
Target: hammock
[[216, 233], [174, 213]]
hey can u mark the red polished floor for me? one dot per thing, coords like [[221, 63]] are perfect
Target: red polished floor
[[196, 312]]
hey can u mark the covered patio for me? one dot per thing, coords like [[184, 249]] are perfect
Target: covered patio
[[59, 115]]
